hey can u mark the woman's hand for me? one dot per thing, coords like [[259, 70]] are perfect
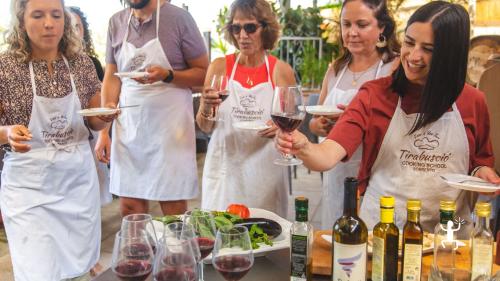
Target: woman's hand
[[291, 143], [16, 135], [209, 101], [488, 174], [103, 147], [322, 125], [270, 132]]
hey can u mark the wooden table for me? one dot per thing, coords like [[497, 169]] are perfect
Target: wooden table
[[322, 258]]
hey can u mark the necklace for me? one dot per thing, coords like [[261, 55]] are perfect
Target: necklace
[[357, 75], [251, 76]]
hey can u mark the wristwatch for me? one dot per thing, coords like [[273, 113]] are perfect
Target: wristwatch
[[169, 77]]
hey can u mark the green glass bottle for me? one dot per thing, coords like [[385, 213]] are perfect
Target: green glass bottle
[[413, 238]]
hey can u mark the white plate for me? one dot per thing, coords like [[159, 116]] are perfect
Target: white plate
[[137, 74], [251, 125], [466, 182], [329, 110], [427, 247], [97, 111], [280, 242]]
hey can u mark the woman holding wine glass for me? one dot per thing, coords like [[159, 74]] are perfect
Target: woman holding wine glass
[[239, 163], [368, 48], [420, 122]]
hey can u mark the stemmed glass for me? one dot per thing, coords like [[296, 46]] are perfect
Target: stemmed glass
[[178, 231], [175, 260], [233, 256], [132, 257], [139, 224], [287, 113], [204, 227], [218, 83]]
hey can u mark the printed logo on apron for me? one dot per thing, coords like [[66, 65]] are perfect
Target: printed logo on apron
[[422, 157], [59, 131]]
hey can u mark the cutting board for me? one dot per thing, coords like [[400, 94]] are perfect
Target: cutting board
[[322, 258]]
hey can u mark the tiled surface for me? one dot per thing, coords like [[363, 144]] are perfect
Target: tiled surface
[[306, 184]]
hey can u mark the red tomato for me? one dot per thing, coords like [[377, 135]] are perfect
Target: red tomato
[[238, 209]]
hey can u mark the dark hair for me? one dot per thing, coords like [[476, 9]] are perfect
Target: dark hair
[[385, 20], [446, 78], [263, 12], [88, 45]]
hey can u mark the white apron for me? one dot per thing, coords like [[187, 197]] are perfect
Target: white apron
[[239, 164], [333, 180], [408, 166], [50, 195], [102, 174], [153, 151]]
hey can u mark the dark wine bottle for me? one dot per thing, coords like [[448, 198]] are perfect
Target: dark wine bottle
[[413, 238], [385, 243], [350, 236]]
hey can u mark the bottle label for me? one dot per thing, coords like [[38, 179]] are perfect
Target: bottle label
[[482, 257], [349, 262], [298, 257], [378, 259], [412, 266]]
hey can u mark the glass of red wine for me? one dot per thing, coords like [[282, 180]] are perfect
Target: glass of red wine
[[132, 257], [204, 227], [139, 224], [175, 260], [287, 113], [178, 231], [218, 83], [233, 256]]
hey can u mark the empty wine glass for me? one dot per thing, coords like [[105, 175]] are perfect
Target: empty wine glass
[[204, 227], [175, 261], [287, 113], [218, 83], [132, 257], [232, 256]]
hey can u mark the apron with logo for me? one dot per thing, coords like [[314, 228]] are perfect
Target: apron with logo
[[239, 164], [333, 180], [50, 194], [408, 166], [153, 151]]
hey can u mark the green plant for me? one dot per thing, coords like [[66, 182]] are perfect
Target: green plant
[[219, 43], [312, 69]]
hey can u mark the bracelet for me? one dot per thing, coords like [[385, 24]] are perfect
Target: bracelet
[[206, 116], [473, 173]]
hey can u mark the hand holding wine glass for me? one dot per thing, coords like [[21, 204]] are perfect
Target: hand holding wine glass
[[215, 95], [287, 113], [233, 256], [132, 257]]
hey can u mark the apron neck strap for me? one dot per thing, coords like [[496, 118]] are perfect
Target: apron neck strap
[[33, 82], [157, 21]]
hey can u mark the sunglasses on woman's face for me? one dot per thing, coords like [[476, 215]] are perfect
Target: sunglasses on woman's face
[[248, 27]]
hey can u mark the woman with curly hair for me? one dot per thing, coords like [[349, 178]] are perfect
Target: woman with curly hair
[[49, 194]]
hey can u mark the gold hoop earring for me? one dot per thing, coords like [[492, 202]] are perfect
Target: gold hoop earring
[[382, 41]]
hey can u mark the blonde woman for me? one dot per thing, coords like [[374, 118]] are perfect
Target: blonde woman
[[49, 194]]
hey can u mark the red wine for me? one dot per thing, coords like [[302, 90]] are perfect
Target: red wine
[[206, 246], [287, 123], [223, 97], [139, 251], [133, 270], [176, 274], [232, 268]]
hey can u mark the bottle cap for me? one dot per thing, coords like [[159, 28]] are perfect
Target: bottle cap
[[301, 202], [483, 209], [414, 205], [447, 205], [387, 201]]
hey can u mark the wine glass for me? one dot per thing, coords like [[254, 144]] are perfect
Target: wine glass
[[180, 231], [175, 260], [232, 256], [204, 227], [139, 224], [287, 113], [218, 83], [132, 257]]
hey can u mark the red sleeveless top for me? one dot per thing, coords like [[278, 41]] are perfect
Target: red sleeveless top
[[249, 77]]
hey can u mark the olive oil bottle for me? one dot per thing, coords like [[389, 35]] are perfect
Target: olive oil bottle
[[413, 238], [301, 240], [482, 243], [385, 243], [350, 236]]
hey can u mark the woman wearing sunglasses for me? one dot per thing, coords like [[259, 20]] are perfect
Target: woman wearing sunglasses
[[368, 48], [239, 163], [419, 123]]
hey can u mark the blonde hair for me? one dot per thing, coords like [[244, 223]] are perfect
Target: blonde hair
[[18, 42]]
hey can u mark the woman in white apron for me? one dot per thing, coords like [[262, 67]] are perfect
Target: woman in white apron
[[239, 163], [368, 50], [153, 153], [405, 151], [49, 194]]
